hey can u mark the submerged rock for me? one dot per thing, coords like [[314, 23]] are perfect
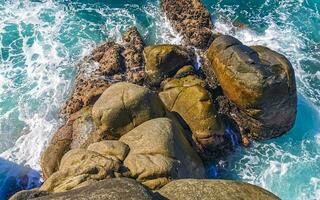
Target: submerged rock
[[259, 82], [191, 19], [163, 61], [159, 152], [189, 189]]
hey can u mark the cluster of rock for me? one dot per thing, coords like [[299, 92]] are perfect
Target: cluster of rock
[[146, 115]]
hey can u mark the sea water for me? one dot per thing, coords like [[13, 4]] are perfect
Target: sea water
[[41, 42]]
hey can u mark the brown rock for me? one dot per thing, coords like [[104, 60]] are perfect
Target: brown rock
[[191, 19], [78, 168], [113, 149], [159, 152], [188, 97], [260, 82], [122, 107], [133, 55], [164, 61], [95, 74]]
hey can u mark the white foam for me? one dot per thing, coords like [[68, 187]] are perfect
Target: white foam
[[43, 82], [48, 62]]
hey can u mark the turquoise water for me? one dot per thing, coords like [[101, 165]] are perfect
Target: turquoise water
[[42, 40]]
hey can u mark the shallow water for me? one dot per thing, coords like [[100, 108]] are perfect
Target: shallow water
[[41, 41]]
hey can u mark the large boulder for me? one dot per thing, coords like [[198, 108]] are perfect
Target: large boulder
[[188, 97], [260, 82], [214, 189], [163, 61], [109, 189], [159, 152], [80, 167], [122, 107], [191, 20]]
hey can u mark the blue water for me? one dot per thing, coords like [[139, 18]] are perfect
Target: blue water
[[42, 40]]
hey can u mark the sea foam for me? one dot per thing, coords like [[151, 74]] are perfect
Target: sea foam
[[37, 67]]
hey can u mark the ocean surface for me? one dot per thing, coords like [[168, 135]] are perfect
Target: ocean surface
[[41, 41]]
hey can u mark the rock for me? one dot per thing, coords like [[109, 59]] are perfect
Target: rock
[[29, 194], [122, 107], [82, 128], [113, 149], [95, 74], [51, 157], [80, 167], [86, 91], [73, 134], [111, 62], [163, 61], [159, 152], [188, 97], [258, 81], [214, 189], [109, 189], [133, 55], [191, 20], [59, 145]]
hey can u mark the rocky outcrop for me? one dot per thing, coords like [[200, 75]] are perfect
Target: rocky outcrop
[[159, 152], [151, 149], [107, 64], [157, 133], [189, 189], [187, 96], [191, 20], [259, 82], [133, 55], [153, 153], [163, 61]]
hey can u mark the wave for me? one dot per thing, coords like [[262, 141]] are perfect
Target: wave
[[41, 43]]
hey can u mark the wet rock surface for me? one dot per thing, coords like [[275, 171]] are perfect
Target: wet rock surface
[[191, 20], [259, 82]]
